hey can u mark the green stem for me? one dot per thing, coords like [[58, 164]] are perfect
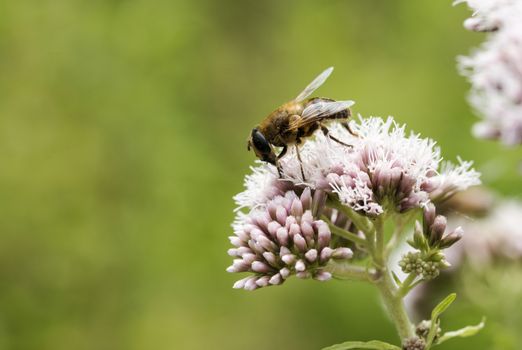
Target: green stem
[[348, 271], [380, 276], [379, 242], [343, 233], [401, 222], [361, 222], [391, 297], [395, 305], [407, 285]]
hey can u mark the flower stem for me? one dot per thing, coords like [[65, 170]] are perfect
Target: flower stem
[[407, 285], [343, 233], [380, 275], [400, 223], [394, 305], [361, 222], [392, 298], [348, 271], [379, 242]]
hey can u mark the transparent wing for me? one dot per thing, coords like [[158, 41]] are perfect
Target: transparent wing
[[318, 111], [323, 109], [321, 78]]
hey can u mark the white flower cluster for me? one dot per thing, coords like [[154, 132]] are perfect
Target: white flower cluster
[[495, 69], [490, 15], [383, 169]]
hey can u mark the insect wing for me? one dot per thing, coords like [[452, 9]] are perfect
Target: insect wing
[[324, 109], [321, 78]]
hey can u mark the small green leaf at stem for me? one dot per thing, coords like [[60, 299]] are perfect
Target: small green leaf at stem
[[437, 311], [374, 344], [396, 278], [442, 306], [463, 332]]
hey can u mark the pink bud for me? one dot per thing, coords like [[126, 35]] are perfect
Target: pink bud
[[261, 267], [307, 229], [326, 254], [250, 284], [256, 247], [429, 215], [289, 259], [282, 236], [270, 258], [284, 272], [249, 258], [322, 276], [262, 281], [284, 251], [290, 220], [323, 234], [300, 266], [272, 210], [307, 217], [281, 215], [306, 198], [236, 241], [300, 243], [272, 228], [438, 227], [276, 279], [233, 252], [297, 208], [266, 243], [294, 230], [303, 274], [241, 283], [342, 253], [311, 255]]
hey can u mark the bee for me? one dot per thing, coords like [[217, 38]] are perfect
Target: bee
[[296, 120]]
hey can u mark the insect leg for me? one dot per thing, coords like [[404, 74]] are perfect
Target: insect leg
[[347, 127], [278, 165], [300, 161], [283, 152], [279, 170], [326, 133]]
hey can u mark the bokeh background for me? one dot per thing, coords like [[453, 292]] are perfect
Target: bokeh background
[[123, 129]]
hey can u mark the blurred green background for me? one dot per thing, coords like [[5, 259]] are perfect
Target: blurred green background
[[123, 129]]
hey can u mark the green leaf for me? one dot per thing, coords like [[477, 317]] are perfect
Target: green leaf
[[463, 332], [443, 305], [396, 278], [437, 311], [374, 344]]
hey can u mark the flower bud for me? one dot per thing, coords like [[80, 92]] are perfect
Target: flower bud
[[322, 276], [414, 343], [437, 229], [451, 238], [311, 255], [342, 253], [429, 215], [282, 240]]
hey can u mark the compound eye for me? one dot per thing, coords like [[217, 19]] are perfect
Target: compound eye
[[259, 141]]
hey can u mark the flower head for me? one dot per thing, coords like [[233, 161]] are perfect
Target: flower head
[[281, 239], [260, 186], [451, 179], [490, 15], [384, 168], [495, 70]]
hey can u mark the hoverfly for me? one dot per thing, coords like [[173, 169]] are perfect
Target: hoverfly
[[295, 120]]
